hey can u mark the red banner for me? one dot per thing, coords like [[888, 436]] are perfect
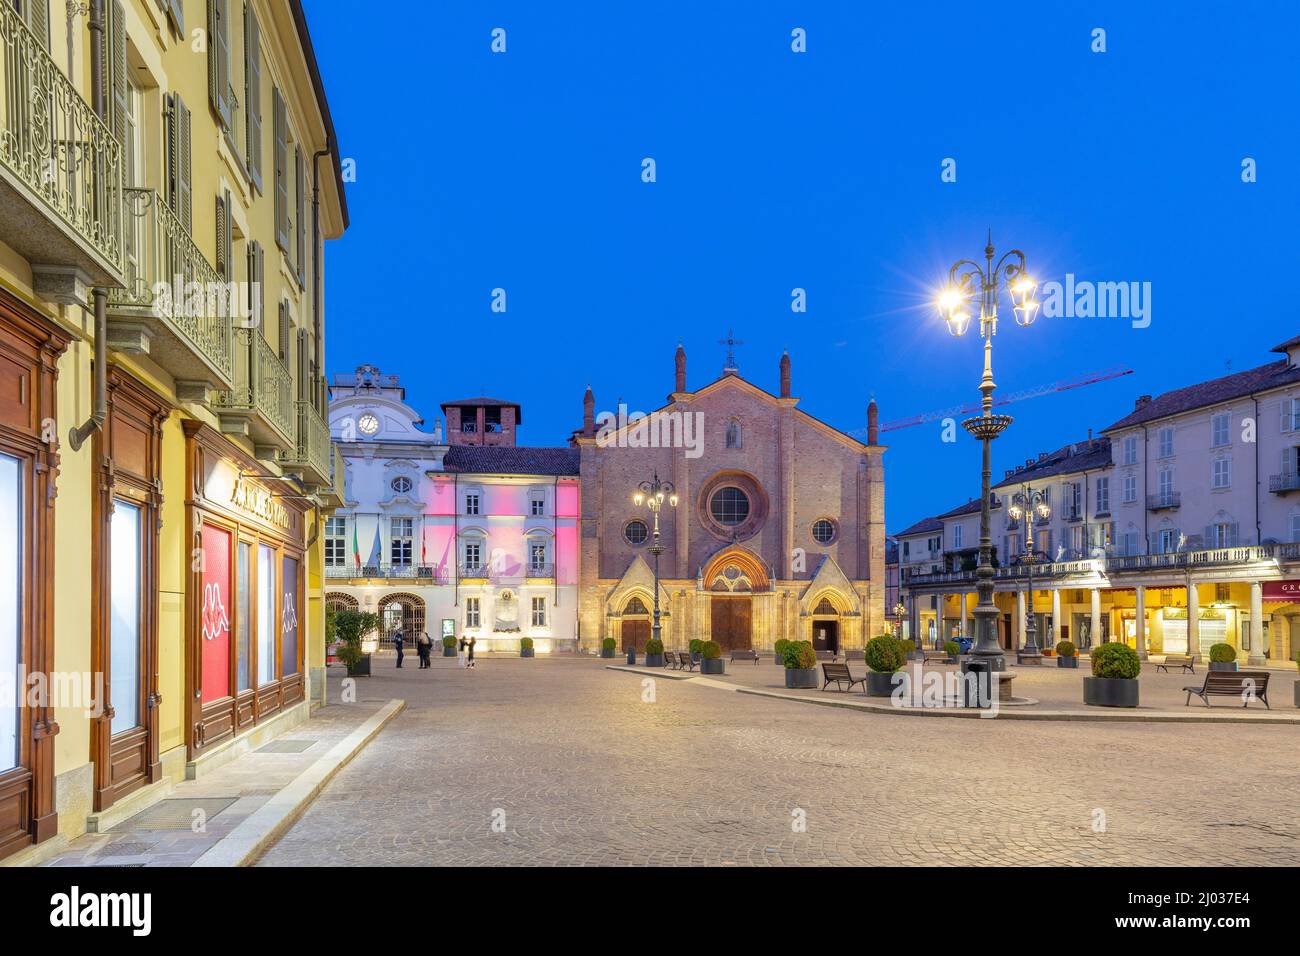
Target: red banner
[[1282, 590], [214, 614]]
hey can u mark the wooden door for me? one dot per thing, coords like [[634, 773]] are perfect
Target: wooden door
[[732, 623], [826, 636], [635, 635]]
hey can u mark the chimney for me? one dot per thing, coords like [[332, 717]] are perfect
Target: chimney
[[680, 361], [785, 378], [1141, 400], [437, 431], [588, 414], [873, 423], [1042, 455]]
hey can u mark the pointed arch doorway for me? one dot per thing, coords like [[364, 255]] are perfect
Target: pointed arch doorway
[[731, 578]]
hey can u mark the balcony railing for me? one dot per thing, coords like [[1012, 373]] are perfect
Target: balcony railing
[[478, 569], [540, 571], [1072, 514], [1164, 501], [426, 573], [62, 156], [313, 449], [1284, 483], [263, 390], [159, 249]]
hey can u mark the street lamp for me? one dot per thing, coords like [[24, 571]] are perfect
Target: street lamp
[[965, 279], [900, 610], [654, 493], [1030, 503]]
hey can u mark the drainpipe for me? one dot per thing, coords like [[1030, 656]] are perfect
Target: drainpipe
[[1259, 535], [317, 287], [79, 434]]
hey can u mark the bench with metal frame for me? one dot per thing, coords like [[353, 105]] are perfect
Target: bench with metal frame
[[1176, 660], [744, 655], [1247, 685], [840, 675]]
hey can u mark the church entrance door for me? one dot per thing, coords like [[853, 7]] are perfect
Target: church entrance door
[[635, 634], [732, 623], [826, 636]]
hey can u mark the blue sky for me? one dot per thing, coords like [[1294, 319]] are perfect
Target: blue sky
[[821, 171]]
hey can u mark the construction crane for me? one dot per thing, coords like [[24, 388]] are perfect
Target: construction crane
[[1062, 386]]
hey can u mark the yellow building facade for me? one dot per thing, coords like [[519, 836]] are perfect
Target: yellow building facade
[[168, 176]]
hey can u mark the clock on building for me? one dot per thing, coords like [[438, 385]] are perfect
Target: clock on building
[[368, 424]]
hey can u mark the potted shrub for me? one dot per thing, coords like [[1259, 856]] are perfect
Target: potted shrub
[[1113, 683], [654, 653], [1067, 655], [525, 647], [885, 655], [711, 661], [800, 662], [779, 647], [349, 625], [449, 647], [952, 649], [696, 647], [1223, 657], [607, 647], [908, 647]]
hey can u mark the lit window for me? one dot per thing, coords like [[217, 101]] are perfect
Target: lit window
[[729, 506]]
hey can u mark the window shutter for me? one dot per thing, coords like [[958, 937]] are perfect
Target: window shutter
[[175, 10], [302, 216], [178, 160], [253, 94], [281, 160], [303, 367], [114, 61], [260, 289], [173, 152], [284, 332], [219, 60], [223, 236], [38, 20]]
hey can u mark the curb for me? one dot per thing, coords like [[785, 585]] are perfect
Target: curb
[[263, 828], [1017, 713]]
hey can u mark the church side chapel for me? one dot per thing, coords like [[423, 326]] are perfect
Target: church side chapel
[[777, 531]]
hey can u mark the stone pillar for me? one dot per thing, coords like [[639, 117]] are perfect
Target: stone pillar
[[1193, 620], [1018, 641], [1141, 592], [1056, 614], [964, 621], [1256, 658], [1095, 626]]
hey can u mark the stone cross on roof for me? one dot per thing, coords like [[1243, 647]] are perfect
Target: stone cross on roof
[[730, 342]]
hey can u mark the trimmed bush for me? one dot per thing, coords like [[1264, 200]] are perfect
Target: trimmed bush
[[1115, 660], [1223, 653], [608, 644], [907, 646], [799, 654], [695, 646], [654, 647], [525, 643], [885, 654], [952, 648], [1066, 648], [449, 642], [710, 650], [780, 646]]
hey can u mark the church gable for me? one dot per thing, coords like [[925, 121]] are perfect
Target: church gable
[[638, 581], [829, 586]]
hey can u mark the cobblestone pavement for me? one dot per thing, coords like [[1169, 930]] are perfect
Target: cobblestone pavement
[[572, 767]]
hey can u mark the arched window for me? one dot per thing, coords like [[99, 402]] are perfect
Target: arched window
[[729, 506], [635, 606], [824, 606]]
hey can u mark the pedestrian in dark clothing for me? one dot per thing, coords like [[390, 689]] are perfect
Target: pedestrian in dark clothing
[[397, 643], [469, 650], [423, 645]]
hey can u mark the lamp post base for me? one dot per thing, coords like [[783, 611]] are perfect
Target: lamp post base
[[1028, 657]]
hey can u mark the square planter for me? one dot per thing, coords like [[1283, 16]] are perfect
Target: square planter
[[607, 652], [1296, 687], [1110, 691], [1068, 662], [526, 651], [801, 677], [654, 660], [714, 665], [361, 668], [880, 685], [449, 651], [1223, 665]]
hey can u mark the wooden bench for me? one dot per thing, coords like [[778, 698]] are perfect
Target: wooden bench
[[1243, 684], [827, 656], [684, 659], [743, 655], [933, 655], [839, 675], [1176, 660]]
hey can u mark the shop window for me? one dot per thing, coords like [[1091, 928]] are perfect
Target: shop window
[[215, 615], [124, 617], [11, 589], [243, 614], [289, 618], [266, 622]]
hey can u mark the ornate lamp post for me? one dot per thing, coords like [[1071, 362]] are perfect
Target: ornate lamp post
[[1030, 503], [900, 611], [654, 493], [966, 279]]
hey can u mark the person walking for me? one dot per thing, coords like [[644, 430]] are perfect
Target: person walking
[[460, 655], [422, 646], [397, 643], [469, 648]]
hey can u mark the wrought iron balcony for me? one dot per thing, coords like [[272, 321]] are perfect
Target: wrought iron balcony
[[540, 570], [424, 573], [1284, 483], [60, 169], [335, 493], [187, 329], [1164, 501], [260, 404], [312, 452], [476, 569]]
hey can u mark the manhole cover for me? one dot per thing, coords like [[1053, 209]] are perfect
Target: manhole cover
[[285, 747], [177, 813]]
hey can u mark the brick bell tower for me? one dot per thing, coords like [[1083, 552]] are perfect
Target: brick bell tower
[[482, 421]]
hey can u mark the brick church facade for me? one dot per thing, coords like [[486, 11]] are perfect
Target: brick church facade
[[778, 531]]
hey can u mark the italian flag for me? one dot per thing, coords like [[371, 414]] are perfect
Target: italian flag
[[356, 548]]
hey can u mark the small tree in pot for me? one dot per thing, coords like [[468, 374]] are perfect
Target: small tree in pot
[[1113, 683], [953, 650], [1223, 657], [696, 647], [711, 661], [800, 662], [449, 647], [908, 648], [654, 653], [885, 655], [607, 647], [525, 647], [779, 647], [349, 626], [1067, 655]]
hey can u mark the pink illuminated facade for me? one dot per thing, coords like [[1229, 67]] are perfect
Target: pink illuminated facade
[[454, 537]]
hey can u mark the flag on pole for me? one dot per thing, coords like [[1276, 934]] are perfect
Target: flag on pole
[[356, 548], [376, 550]]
